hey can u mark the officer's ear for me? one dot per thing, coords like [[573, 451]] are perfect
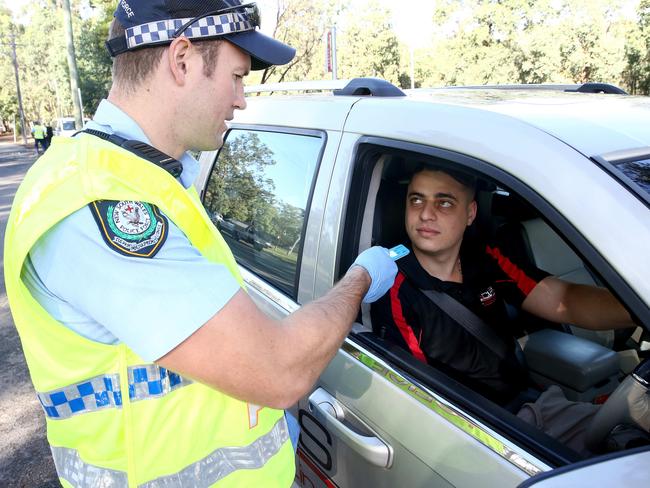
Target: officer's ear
[[178, 56]]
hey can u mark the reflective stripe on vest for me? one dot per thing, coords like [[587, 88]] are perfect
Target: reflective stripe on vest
[[203, 473], [145, 382]]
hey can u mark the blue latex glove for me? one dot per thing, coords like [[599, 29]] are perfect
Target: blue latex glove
[[381, 268]]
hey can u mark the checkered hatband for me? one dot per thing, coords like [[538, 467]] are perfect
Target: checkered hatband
[[210, 26]]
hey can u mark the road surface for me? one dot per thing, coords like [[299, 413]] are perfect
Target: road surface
[[25, 459]]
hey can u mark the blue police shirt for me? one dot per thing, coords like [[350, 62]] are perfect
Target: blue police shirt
[[150, 304]]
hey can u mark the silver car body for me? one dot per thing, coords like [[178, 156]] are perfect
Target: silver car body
[[370, 423]]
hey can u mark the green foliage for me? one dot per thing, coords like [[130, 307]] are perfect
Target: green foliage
[[474, 42], [302, 24], [368, 45], [42, 60], [8, 100], [238, 188], [637, 52], [93, 60]]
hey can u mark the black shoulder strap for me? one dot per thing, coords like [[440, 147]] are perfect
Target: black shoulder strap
[[142, 150], [471, 322]]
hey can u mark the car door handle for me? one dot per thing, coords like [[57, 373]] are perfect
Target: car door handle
[[329, 411]]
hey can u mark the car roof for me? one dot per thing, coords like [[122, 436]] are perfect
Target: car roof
[[593, 124]]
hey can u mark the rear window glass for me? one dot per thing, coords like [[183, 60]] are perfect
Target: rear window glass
[[638, 172]]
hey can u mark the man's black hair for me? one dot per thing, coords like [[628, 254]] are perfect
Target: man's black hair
[[468, 180]]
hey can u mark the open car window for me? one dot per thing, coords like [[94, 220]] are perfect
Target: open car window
[[516, 219]]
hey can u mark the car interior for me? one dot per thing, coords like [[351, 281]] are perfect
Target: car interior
[[587, 365]]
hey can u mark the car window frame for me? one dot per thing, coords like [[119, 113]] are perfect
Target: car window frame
[[609, 163], [282, 130], [367, 152]]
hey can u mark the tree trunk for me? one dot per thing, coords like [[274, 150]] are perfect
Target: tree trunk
[[72, 65]]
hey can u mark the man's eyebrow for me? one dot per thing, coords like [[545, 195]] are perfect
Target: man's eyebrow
[[451, 196], [446, 195]]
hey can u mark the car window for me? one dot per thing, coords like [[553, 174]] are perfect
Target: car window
[[68, 125], [637, 171], [512, 220], [257, 195]]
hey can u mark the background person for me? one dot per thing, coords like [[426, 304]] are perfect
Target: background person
[[49, 133], [39, 133], [151, 362]]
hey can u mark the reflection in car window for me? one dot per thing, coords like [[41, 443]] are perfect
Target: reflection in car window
[[257, 196], [638, 171]]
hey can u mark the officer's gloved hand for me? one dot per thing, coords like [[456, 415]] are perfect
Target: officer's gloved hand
[[381, 268]]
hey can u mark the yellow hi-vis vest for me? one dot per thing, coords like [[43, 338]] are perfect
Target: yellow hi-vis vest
[[39, 132], [112, 418]]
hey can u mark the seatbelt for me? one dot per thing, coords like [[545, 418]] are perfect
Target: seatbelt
[[142, 150], [471, 322]]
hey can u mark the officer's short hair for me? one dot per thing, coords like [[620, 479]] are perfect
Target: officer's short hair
[[133, 67]]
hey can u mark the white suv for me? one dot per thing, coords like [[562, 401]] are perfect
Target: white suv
[[565, 176]]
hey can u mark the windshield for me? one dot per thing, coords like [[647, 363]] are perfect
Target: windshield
[[68, 125], [638, 172]]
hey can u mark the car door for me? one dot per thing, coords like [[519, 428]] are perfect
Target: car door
[[368, 422], [376, 416]]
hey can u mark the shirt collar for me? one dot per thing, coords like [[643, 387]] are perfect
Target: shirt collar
[[112, 120], [413, 270]]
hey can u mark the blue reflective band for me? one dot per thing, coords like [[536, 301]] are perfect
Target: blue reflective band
[[145, 382]]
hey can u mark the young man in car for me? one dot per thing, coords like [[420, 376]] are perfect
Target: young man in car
[[440, 206], [151, 362]]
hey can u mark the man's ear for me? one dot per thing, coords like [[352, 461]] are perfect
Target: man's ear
[[471, 212], [178, 56]]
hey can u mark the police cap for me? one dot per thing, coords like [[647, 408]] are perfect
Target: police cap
[[157, 22]]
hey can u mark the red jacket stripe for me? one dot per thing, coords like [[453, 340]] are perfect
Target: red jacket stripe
[[398, 316], [523, 281]]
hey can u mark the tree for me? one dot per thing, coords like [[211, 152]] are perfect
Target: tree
[[8, 89], [526, 41], [93, 59], [302, 24], [637, 52], [368, 45], [43, 65], [238, 188], [72, 63]]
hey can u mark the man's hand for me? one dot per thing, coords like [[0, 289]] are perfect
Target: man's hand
[[381, 268]]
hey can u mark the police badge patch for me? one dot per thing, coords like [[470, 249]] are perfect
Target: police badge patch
[[131, 228]]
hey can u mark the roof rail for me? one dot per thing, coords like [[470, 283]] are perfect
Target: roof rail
[[370, 86], [291, 86], [600, 88], [581, 88], [356, 87]]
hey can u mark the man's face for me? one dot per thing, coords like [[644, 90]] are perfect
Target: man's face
[[438, 210], [215, 98]]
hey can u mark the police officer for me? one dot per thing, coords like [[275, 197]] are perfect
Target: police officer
[[153, 365], [39, 132]]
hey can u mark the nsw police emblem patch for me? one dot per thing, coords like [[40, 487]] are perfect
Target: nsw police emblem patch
[[131, 228]]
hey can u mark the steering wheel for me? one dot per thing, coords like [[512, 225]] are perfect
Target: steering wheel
[[629, 404]]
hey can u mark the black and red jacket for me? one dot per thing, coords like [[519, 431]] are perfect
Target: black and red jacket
[[491, 283]]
